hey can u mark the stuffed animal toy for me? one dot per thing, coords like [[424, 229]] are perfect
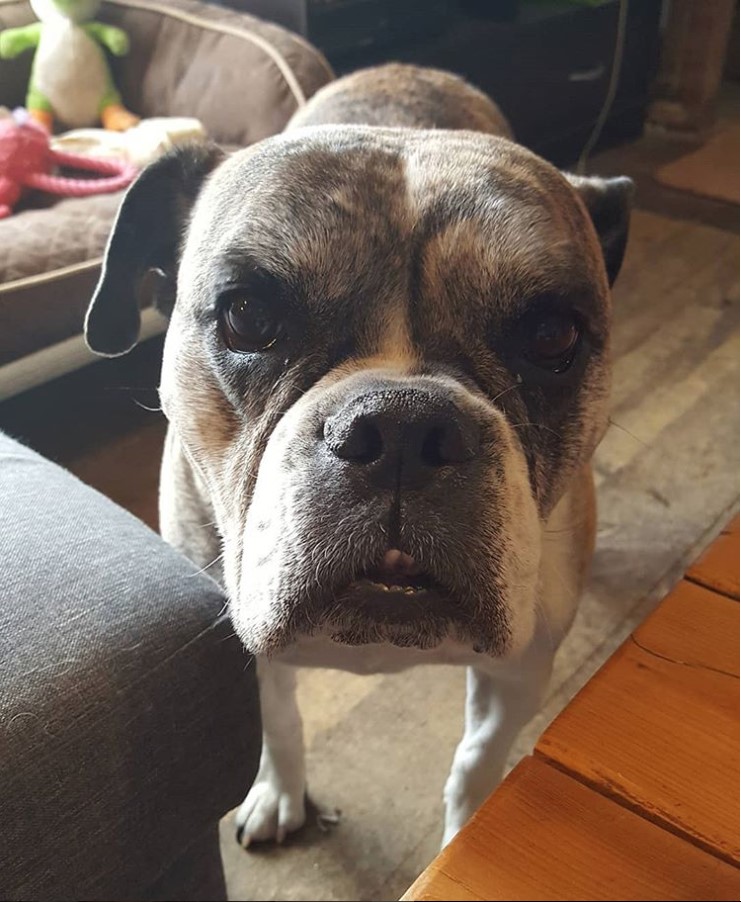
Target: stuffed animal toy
[[27, 161], [70, 79]]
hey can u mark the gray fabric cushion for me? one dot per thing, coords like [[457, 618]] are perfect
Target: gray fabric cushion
[[129, 718]]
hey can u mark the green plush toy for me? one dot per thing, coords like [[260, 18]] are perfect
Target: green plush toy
[[70, 79]]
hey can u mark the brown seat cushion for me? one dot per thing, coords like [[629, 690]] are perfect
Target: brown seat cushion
[[49, 264], [242, 77]]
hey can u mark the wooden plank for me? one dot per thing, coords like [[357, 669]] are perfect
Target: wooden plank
[[718, 567], [672, 631], [657, 727], [544, 835]]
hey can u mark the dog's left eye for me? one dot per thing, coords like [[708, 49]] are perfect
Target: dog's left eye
[[549, 339], [250, 323]]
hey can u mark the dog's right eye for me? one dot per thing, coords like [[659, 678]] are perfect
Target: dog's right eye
[[250, 324]]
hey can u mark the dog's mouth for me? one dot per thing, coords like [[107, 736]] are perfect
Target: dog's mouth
[[397, 572], [399, 588], [391, 597]]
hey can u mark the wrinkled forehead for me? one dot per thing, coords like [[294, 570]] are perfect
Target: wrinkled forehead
[[346, 212]]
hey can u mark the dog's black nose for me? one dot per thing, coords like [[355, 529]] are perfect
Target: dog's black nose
[[402, 436]]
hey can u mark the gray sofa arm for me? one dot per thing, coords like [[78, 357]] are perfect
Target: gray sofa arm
[[129, 719]]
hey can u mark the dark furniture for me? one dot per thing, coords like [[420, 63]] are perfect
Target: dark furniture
[[547, 64]]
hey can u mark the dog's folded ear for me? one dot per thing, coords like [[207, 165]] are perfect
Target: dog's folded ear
[[141, 258], [608, 202]]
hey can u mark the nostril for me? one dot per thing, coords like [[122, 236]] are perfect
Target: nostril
[[449, 443], [367, 443], [359, 440], [432, 452]]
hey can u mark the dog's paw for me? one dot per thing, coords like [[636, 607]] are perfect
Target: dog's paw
[[269, 812]]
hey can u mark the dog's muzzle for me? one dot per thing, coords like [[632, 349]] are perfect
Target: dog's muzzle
[[380, 517], [398, 451]]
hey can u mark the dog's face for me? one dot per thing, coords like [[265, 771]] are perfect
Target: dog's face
[[387, 357]]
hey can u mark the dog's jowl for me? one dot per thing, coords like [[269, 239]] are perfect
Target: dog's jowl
[[385, 373]]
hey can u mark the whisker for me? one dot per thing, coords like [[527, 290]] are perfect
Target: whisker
[[537, 426], [504, 392], [628, 432], [146, 407], [151, 388], [204, 569], [566, 529]]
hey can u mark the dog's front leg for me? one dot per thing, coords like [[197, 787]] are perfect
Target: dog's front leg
[[275, 804], [496, 711]]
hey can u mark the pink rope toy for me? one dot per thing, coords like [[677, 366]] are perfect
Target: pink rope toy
[[27, 160]]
